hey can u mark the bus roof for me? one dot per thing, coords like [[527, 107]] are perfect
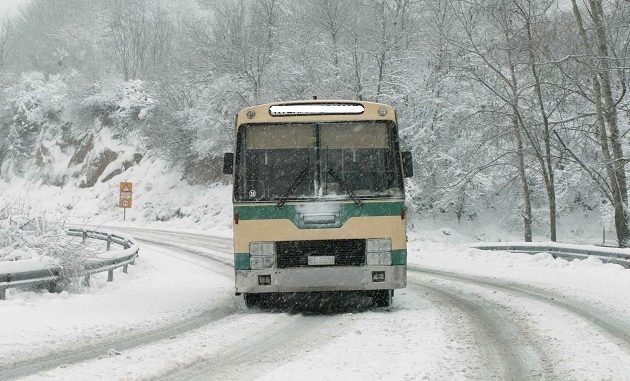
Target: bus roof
[[315, 110]]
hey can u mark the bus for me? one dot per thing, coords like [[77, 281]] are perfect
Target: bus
[[319, 201]]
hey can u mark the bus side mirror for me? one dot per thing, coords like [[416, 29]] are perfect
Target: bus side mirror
[[407, 164], [228, 163]]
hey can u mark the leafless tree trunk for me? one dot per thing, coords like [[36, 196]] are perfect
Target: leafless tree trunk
[[543, 156], [381, 55], [130, 37], [517, 122], [335, 14], [516, 128], [357, 64], [6, 32], [606, 122]]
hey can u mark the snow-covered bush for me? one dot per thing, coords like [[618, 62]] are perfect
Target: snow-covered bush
[[121, 106], [33, 236], [212, 119], [31, 111], [162, 211]]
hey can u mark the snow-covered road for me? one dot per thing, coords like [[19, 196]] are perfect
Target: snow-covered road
[[180, 320]]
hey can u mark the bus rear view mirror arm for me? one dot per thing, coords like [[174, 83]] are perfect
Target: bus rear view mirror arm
[[407, 164], [228, 163]]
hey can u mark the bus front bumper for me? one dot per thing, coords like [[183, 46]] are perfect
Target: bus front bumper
[[305, 279]]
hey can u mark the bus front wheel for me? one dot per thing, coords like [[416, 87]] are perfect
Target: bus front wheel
[[252, 300], [382, 298]]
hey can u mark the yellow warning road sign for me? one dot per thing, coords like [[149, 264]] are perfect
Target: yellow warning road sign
[[125, 196]]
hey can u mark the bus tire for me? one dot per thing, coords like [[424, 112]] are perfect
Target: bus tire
[[252, 300], [382, 298]]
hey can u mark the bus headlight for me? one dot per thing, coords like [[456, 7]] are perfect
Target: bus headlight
[[260, 263], [268, 262], [262, 255], [378, 259], [378, 252], [256, 263], [262, 248]]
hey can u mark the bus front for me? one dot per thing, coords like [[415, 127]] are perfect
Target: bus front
[[318, 200]]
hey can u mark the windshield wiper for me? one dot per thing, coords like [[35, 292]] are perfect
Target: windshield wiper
[[345, 187], [298, 180]]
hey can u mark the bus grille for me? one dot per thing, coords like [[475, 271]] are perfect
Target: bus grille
[[347, 252]]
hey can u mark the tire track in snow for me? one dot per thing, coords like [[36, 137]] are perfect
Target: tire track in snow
[[506, 351], [217, 243], [258, 355], [195, 251], [612, 327], [103, 348]]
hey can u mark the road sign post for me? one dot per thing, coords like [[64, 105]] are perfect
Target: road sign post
[[125, 197]]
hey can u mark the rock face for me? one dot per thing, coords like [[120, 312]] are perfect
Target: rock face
[[85, 146], [94, 168], [137, 157], [90, 162], [84, 161]]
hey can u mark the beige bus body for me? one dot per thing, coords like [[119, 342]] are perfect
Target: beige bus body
[[256, 222]]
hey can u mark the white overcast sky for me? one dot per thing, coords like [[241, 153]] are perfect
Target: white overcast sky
[[9, 7]]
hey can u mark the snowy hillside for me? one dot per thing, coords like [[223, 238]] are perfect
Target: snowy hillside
[[161, 198]]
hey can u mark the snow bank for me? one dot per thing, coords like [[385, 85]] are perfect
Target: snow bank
[[588, 279]]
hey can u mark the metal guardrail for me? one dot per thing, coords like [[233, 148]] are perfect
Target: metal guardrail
[[565, 251], [108, 260]]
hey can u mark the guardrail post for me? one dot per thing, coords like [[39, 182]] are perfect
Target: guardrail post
[[110, 276], [125, 268], [51, 286], [84, 236], [109, 241], [3, 293]]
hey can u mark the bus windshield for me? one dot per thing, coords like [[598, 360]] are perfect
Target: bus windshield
[[305, 161]]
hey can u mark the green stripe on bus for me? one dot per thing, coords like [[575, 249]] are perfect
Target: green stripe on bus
[[292, 212], [241, 261], [399, 257]]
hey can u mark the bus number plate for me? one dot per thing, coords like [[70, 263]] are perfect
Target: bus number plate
[[321, 260]]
